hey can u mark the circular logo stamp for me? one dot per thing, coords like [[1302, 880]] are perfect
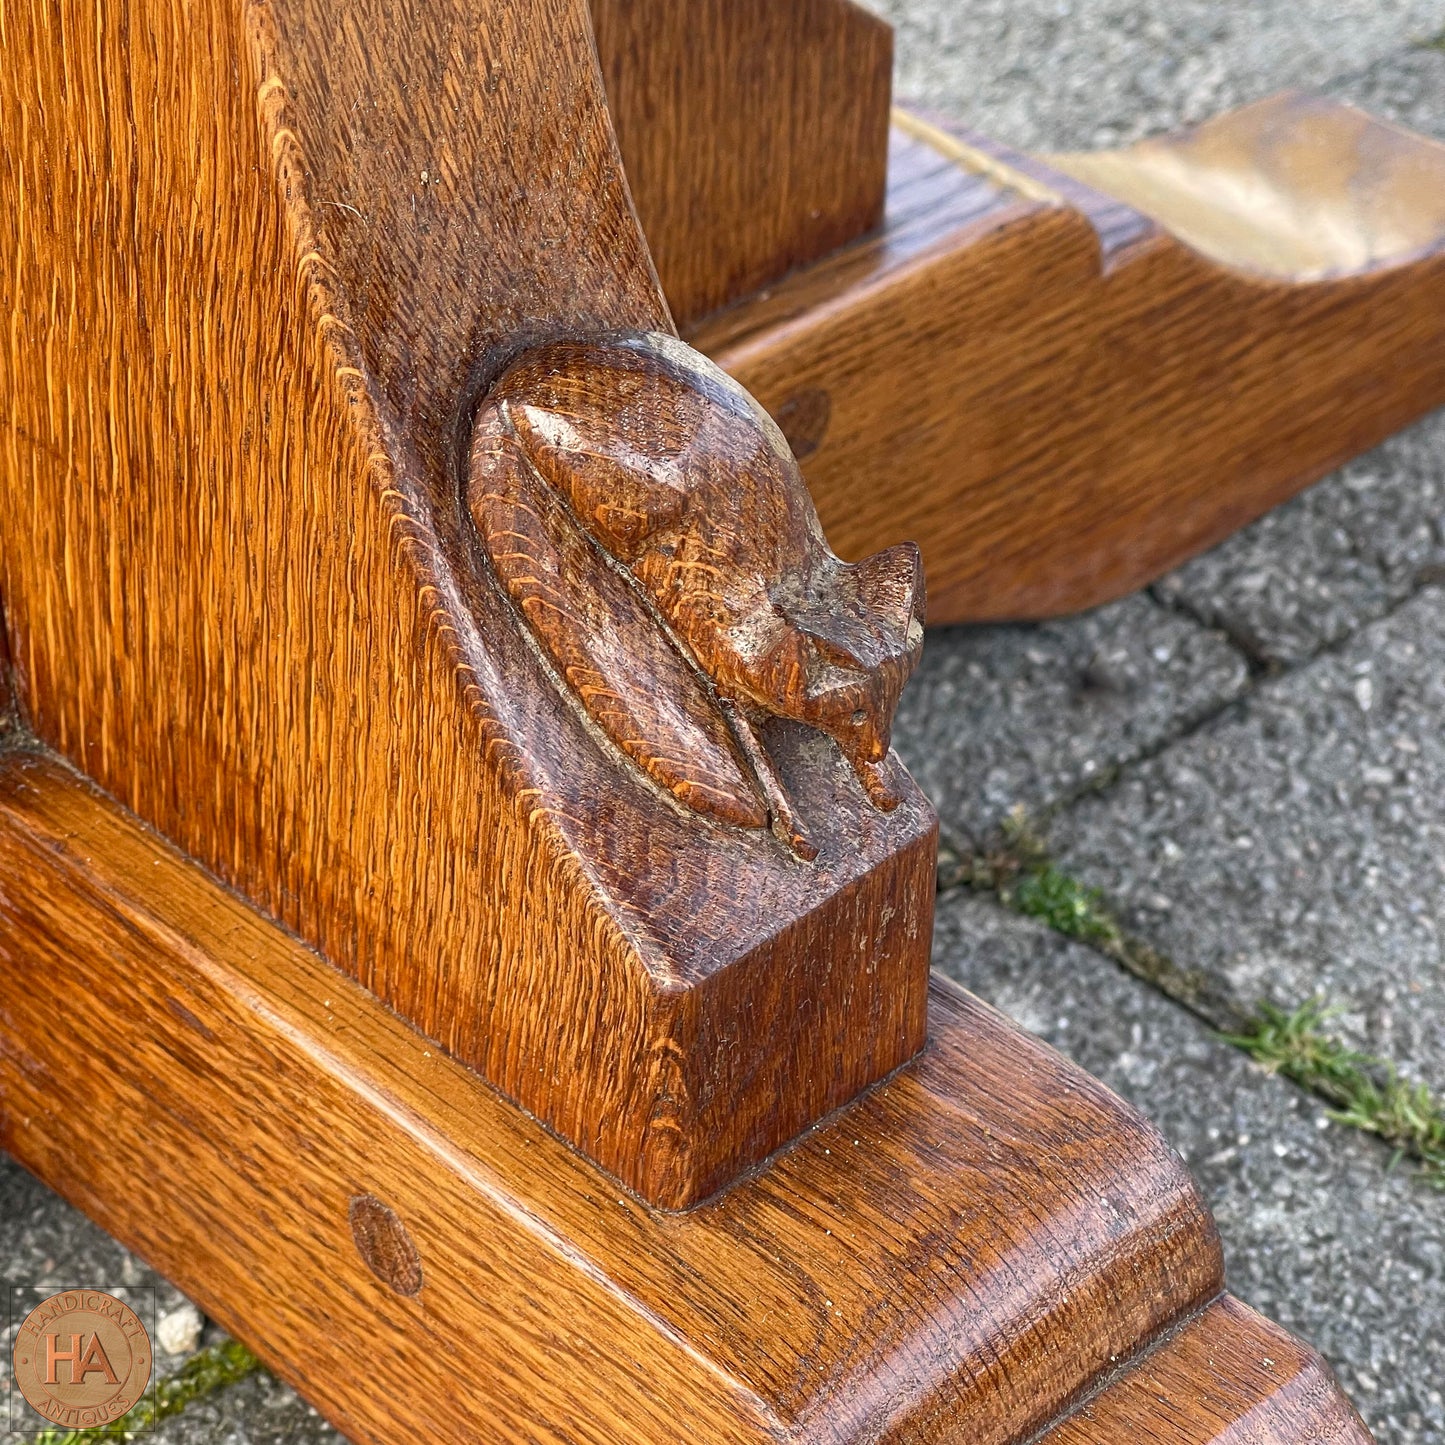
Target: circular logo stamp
[[82, 1358]]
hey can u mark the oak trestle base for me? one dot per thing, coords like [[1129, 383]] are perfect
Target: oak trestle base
[[987, 1242]]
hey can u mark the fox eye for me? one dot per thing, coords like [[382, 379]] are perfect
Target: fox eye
[[859, 717]]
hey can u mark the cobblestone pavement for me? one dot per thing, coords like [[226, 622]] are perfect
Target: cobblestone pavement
[[1247, 759]]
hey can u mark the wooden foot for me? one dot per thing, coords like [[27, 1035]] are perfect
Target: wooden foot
[[986, 1242], [1222, 1376], [1066, 375]]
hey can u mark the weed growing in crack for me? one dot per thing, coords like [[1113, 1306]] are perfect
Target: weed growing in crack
[[1066, 906], [1368, 1093], [1020, 872]]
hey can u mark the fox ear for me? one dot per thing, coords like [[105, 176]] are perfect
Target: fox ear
[[890, 587], [890, 584]]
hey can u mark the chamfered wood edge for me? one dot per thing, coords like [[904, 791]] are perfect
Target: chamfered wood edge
[[976, 1240], [1223, 1372], [1057, 396]]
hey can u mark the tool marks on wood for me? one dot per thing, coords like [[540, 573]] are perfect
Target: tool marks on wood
[[648, 520]]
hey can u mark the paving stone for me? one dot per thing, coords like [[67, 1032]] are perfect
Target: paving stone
[[43, 1241], [1312, 572], [1080, 73], [999, 716], [1408, 87], [1296, 848], [258, 1411], [1318, 1232]]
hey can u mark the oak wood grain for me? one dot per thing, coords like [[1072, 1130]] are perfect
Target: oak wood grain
[[984, 1241], [1226, 1375], [1059, 397], [755, 135], [282, 255], [280, 252], [972, 1241], [1295, 187]]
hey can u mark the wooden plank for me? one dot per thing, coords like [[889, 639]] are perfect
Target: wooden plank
[[972, 1241], [280, 252], [1062, 397], [1225, 1365], [755, 135]]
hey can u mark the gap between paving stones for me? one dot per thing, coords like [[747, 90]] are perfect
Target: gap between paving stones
[[1367, 1093]]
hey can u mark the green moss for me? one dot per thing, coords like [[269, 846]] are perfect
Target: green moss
[[1066, 906], [1368, 1093], [203, 1374]]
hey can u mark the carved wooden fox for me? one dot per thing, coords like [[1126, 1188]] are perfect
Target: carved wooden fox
[[649, 522]]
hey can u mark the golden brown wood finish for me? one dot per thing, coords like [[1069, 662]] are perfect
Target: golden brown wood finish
[[1058, 396], [755, 134], [1219, 1368], [1294, 188], [958, 1255], [263, 261], [647, 519]]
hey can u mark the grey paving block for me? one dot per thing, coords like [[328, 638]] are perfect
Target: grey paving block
[[1342, 554], [1297, 847], [999, 716], [1408, 87], [257, 1411], [43, 1241], [1079, 73], [1318, 1232]]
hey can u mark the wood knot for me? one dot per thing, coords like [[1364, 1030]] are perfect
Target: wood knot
[[384, 1245]]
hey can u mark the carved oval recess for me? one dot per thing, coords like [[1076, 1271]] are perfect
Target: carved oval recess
[[649, 522]]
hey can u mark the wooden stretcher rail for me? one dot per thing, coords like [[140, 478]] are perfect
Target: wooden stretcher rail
[[1064, 376]]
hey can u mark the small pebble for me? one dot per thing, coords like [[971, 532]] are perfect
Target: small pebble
[[178, 1331]]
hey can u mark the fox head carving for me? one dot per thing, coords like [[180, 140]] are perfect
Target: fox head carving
[[689, 490]]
